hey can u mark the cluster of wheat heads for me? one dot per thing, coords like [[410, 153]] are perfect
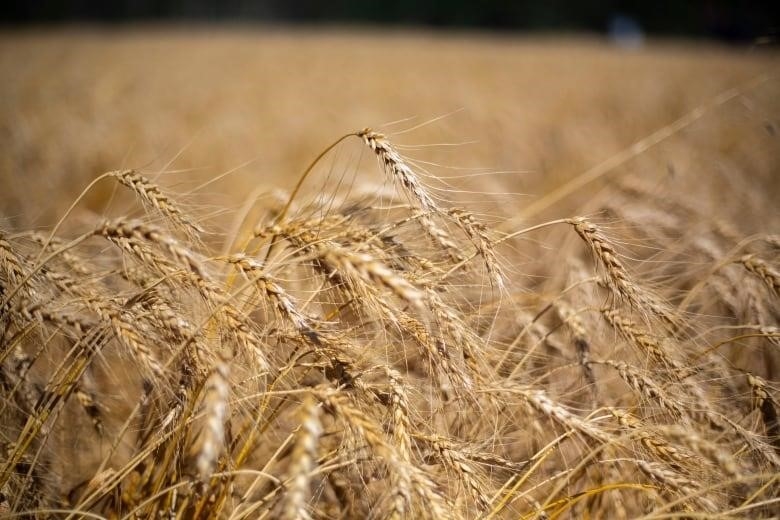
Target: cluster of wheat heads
[[358, 358]]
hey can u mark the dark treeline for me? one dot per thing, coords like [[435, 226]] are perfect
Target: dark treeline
[[721, 19]]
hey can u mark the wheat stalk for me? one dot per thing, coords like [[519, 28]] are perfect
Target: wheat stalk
[[396, 168]]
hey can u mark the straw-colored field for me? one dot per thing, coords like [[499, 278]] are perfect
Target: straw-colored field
[[545, 284], [76, 104]]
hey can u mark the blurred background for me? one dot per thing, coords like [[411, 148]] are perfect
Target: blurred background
[[726, 20], [509, 100]]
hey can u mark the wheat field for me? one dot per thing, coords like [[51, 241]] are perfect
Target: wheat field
[[265, 273]]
